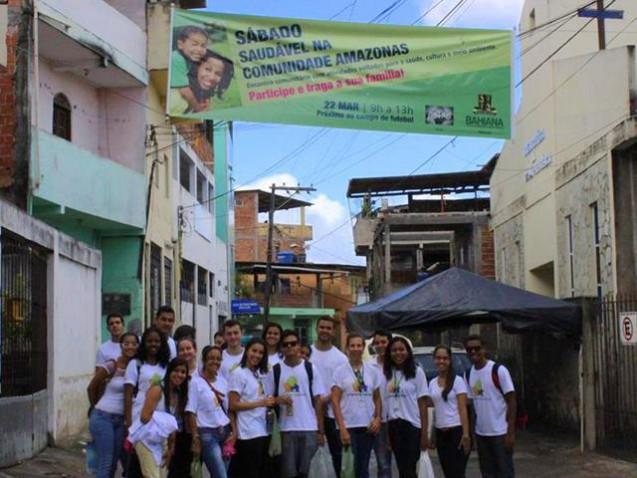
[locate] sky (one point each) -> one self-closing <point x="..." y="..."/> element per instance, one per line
<point x="328" y="158"/>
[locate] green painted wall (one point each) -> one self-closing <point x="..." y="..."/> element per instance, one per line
<point x="120" y="259"/>
<point x="221" y="142"/>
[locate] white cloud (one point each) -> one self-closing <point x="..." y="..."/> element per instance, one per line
<point x="326" y="216"/>
<point x="476" y="13"/>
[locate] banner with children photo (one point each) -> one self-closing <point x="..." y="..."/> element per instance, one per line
<point x="448" y="81"/>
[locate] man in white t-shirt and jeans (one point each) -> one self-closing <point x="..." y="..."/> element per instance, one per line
<point x="231" y="357"/>
<point x="298" y="389"/>
<point x="493" y="398"/>
<point x="111" y="350"/>
<point x="327" y="359"/>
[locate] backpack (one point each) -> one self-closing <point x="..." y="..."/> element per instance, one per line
<point x="494" y="377"/>
<point x="276" y="370"/>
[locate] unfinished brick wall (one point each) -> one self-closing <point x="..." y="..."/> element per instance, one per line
<point x="246" y="218"/>
<point x="487" y="258"/>
<point x="8" y="107"/>
<point x="196" y="136"/>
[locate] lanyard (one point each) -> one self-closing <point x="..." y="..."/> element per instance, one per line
<point x="260" y="387"/>
<point x="359" y="375"/>
<point x="396" y="383"/>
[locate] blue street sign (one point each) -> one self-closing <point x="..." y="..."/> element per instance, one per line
<point x="245" y="306"/>
<point x="605" y="14"/>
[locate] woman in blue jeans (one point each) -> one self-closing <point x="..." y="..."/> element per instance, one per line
<point x="207" y="414"/>
<point x="357" y="405"/>
<point x="106" y="422"/>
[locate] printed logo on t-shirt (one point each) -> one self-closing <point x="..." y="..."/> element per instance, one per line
<point x="155" y="380"/>
<point x="477" y="389"/>
<point x="291" y="384"/>
<point x="234" y="367"/>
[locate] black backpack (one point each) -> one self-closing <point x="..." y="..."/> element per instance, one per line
<point x="276" y="370"/>
<point x="494" y="377"/>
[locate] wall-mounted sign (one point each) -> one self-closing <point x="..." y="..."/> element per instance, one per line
<point x="114" y="303"/>
<point x="534" y="142"/>
<point x="628" y="327"/>
<point x="245" y="306"/>
<point x="538" y="166"/>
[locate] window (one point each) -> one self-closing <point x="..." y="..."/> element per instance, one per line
<point x="202" y="187"/>
<point x="571" y="264"/>
<point x="596" y="246"/>
<point x="155" y="277"/>
<point x="285" y="286"/>
<point x="185" y="165"/>
<point x="532" y="19"/>
<point x="211" y="195"/>
<point x="168" y="281"/>
<point x="187" y="283"/>
<point x="62" y="117"/>
<point x="302" y="327"/>
<point x="202" y="286"/>
<point x="211" y="285"/>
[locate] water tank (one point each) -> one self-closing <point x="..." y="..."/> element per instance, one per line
<point x="286" y="257"/>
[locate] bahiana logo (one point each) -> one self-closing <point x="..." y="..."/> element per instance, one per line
<point x="485" y="115"/>
<point x="485" y="105"/>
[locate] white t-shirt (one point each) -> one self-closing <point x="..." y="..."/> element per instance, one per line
<point x="112" y="400"/>
<point x="173" y="348"/>
<point x="357" y="399"/>
<point x="108" y="351"/>
<point x="203" y="402"/>
<point x="274" y="359"/>
<point x="401" y="396"/>
<point x="446" y="414"/>
<point x="382" y="384"/>
<point x="294" y="383"/>
<point x="488" y="401"/>
<point x="229" y="363"/>
<point x="327" y="362"/>
<point x="251" y="387"/>
<point x="148" y="375"/>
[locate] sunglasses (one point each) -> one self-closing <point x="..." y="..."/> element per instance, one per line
<point x="289" y="344"/>
<point x="473" y="349"/>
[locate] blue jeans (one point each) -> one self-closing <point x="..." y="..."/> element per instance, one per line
<point x="212" y="440"/>
<point x="362" y="444"/>
<point x="108" y="432"/>
<point x="382" y="452"/>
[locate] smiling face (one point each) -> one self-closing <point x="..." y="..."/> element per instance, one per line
<point x="272" y="337"/>
<point x="475" y="351"/>
<point x="210" y="73"/>
<point x="194" y="46"/>
<point x="153" y="342"/>
<point x="355" y="347"/>
<point x="255" y="354"/>
<point x="233" y="336"/>
<point x="325" y="331"/>
<point x="442" y="359"/>
<point x="187" y="350"/>
<point x="129" y="346"/>
<point x="399" y="353"/>
<point x="380" y="344"/>
<point x="178" y="375"/>
<point x="165" y="322"/>
<point x="213" y="361"/>
<point x="290" y="347"/>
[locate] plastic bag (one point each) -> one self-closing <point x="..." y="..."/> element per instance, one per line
<point x="91" y="458"/>
<point x="196" y="470"/>
<point x="321" y="464"/>
<point x="425" y="468"/>
<point x="347" y="465"/>
<point x="275" y="440"/>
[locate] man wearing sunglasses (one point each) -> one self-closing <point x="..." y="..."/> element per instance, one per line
<point x="492" y="395"/>
<point x="298" y="388"/>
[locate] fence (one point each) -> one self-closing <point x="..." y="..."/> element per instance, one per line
<point x="615" y="368"/>
<point x="23" y="331"/>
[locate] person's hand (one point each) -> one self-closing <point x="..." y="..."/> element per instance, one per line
<point x="232" y="439"/>
<point x="320" y="438"/>
<point x="424" y="441"/>
<point x="285" y="400"/>
<point x="167" y="456"/>
<point x="465" y="444"/>
<point x="346" y="440"/>
<point x="196" y="446"/>
<point x="269" y="401"/>
<point x="432" y="442"/>
<point x="374" y="426"/>
<point x="509" y="440"/>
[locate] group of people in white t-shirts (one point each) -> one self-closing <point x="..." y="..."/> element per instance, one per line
<point x="155" y="408"/>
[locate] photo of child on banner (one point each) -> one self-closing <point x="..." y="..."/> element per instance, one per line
<point x="200" y="75"/>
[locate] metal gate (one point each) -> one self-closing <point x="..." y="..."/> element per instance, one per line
<point x="23" y="331"/>
<point x="615" y="380"/>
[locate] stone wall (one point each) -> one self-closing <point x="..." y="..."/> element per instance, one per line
<point x="509" y="251"/>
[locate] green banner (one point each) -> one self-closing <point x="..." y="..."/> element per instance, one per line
<point x="447" y="81"/>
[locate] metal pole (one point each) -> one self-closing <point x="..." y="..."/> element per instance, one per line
<point x="268" y="269"/>
<point x="601" y="26"/>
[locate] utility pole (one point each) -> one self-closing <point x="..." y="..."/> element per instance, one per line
<point x="601" y="26"/>
<point x="601" y="14"/>
<point x="268" y="270"/>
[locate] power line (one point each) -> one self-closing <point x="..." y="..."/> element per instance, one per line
<point x="427" y="12"/>
<point x="556" y="19"/>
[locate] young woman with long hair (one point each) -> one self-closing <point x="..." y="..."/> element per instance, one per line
<point x="406" y="396"/>
<point x="161" y="416"/>
<point x="448" y="393"/>
<point x="357" y="405"/>
<point x="106" y="421"/>
<point x="250" y="397"/>
<point x="272" y="337"/>
<point x="147" y="369"/>
<point x="208" y="417"/>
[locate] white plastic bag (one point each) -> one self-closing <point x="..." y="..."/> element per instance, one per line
<point x="321" y="464"/>
<point x="425" y="468"/>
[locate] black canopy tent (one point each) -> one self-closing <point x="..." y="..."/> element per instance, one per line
<point x="460" y="297"/>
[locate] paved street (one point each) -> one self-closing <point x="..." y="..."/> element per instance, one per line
<point x="537" y="457"/>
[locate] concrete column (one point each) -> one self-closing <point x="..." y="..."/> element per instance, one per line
<point x="587" y="377"/>
<point x="386" y="236"/>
